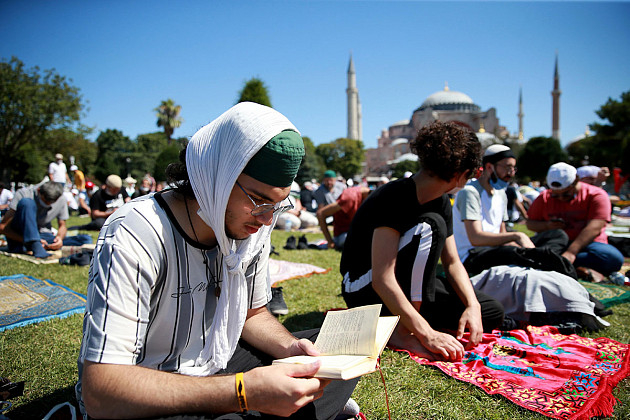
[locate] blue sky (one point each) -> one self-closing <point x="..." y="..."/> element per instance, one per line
<point x="127" y="56"/>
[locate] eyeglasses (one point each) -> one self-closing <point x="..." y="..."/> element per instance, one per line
<point x="260" y="209"/>
<point x="508" y="168"/>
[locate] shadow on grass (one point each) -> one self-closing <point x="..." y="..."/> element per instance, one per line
<point x="38" y="408"/>
<point x="303" y="321"/>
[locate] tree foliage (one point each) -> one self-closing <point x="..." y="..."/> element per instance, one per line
<point x="114" y="148"/>
<point x="169" y="155"/>
<point x="312" y="166"/>
<point x="31" y="103"/>
<point x="611" y="143"/>
<point x="254" y="91"/>
<point x="168" y="117"/>
<point x="343" y="155"/>
<point x="537" y="156"/>
<point x="399" y="170"/>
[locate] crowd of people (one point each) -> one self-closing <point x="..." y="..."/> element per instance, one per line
<point x="179" y="291"/>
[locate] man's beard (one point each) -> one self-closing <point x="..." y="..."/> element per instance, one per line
<point x="232" y="235"/>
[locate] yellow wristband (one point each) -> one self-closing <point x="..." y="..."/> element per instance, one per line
<point x="240" y="391"/>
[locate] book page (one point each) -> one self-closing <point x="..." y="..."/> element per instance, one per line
<point x="331" y="362"/>
<point x="352" y="331"/>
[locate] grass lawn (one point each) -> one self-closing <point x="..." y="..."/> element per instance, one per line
<point x="44" y="355"/>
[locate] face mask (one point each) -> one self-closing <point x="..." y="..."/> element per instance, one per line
<point x="497" y="183"/>
<point x="42" y="204"/>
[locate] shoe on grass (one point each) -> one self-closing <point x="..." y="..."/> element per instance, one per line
<point x="277" y="305"/>
<point x="290" y="243"/>
<point x="302" y="242"/>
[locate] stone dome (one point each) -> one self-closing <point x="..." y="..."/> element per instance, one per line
<point x="449" y="100"/>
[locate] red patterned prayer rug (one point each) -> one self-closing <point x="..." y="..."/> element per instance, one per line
<point x="559" y="376"/>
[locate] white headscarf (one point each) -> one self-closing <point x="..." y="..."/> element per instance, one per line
<point x="215" y="157"/>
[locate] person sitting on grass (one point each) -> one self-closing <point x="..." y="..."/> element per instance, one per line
<point x="342" y="211"/>
<point x="27" y="223"/>
<point x="396" y="239"/>
<point x="579" y="212"/>
<point x="175" y="321"/>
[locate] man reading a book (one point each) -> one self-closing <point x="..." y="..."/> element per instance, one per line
<point x="396" y="239"/>
<point x="175" y="322"/>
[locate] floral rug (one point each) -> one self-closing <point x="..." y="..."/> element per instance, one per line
<point x="559" y="376"/>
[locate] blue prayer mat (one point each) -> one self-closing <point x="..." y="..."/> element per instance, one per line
<point x="26" y="300"/>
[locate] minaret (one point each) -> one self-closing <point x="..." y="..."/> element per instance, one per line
<point x="555" y="94"/>
<point x="520" y="114"/>
<point x="360" y="117"/>
<point x="353" y="103"/>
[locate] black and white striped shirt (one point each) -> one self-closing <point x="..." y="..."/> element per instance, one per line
<point x="151" y="292"/>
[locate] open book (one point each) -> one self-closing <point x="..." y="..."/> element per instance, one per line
<point x="350" y="342"/>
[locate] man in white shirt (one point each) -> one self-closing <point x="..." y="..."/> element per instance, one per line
<point x="57" y="171"/>
<point x="5" y="198"/>
<point x="480" y="212"/>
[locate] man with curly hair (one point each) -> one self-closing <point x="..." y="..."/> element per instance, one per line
<point x="394" y="243"/>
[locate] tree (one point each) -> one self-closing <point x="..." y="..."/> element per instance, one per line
<point x="312" y="166"/>
<point x="611" y="142"/>
<point x="147" y="148"/>
<point x="114" y="148"/>
<point x="168" y="117"/>
<point x="412" y="166"/>
<point x="31" y="103"/>
<point x="254" y="91"/>
<point x="169" y="155"/>
<point x="537" y="156"/>
<point x="344" y="156"/>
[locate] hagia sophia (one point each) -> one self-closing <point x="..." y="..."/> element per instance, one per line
<point x="444" y="105"/>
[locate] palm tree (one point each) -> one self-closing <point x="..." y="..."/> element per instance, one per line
<point x="168" y="117"/>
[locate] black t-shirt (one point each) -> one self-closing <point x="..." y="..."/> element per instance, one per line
<point x="394" y="205"/>
<point x="306" y="198"/>
<point x="102" y="201"/>
<point x="510" y="192"/>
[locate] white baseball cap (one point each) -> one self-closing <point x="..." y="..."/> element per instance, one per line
<point x="560" y="176"/>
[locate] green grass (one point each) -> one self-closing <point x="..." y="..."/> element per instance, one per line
<point x="44" y="355"/>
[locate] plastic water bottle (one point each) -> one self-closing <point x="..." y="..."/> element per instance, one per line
<point x="288" y="224"/>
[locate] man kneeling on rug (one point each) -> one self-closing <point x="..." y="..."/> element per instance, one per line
<point x="27" y="224"/>
<point x="394" y="243"/>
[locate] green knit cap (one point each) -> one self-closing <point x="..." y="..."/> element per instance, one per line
<point x="278" y="161"/>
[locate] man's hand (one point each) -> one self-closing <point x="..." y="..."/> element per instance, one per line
<point x="569" y="256"/>
<point x="303" y="347"/>
<point x="471" y="320"/>
<point x="556" y="224"/>
<point x="56" y="244"/>
<point x="283" y="389"/>
<point x="444" y="345"/>
<point x="523" y="240"/>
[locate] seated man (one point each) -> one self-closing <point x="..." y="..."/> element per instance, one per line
<point x="27" y="223"/>
<point x="579" y="210"/>
<point x="593" y="175"/>
<point x="342" y="212"/>
<point x="480" y="213"/>
<point x="106" y="201"/>
<point x="396" y="239"/>
<point x="330" y="190"/>
<point x="297" y="217"/>
<point x="175" y="322"/>
<point x="5" y="199"/>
